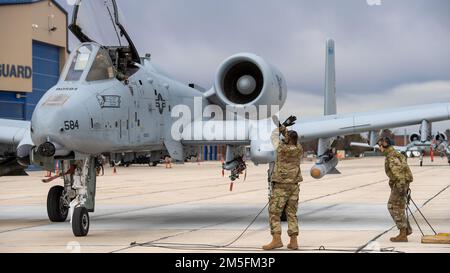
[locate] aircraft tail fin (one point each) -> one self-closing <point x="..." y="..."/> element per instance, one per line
<point x="325" y="145"/>
<point x="330" y="107"/>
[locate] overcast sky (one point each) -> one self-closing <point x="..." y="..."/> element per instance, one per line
<point x="388" y="55"/>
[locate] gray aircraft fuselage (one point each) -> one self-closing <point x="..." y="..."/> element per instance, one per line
<point x="110" y="115"/>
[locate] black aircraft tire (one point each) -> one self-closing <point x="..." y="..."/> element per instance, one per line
<point x="80" y="222"/>
<point x="55" y="209"/>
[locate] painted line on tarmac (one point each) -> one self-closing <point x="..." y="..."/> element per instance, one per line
<point x="361" y="248"/>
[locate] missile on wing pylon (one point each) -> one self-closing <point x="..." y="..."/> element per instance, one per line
<point x="319" y="170"/>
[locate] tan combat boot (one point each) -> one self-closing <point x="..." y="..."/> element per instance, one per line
<point x="293" y="244"/>
<point x="276" y="243"/>
<point x="402" y="237"/>
<point x="409" y="231"/>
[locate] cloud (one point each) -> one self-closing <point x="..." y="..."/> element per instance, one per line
<point x="377" y="47"/>
<point x="390" y="55"/>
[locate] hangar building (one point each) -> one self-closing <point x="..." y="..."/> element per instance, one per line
<point x="33" y="50"/>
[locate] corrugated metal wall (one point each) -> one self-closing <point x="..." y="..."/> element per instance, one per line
<point x="45" y="73"/>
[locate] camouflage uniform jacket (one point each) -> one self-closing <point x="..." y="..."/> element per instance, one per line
<point x="397" y="168"/>
<point x="287" y="162"/>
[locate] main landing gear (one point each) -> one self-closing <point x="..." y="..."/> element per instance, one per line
<point x="77" y="197"/>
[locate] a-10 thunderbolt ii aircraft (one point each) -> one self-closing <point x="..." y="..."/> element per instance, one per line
<point x="419" y="143"/>
<point x="110" y="100"/>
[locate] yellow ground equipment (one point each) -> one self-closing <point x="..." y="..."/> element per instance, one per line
<point x="437" y="238"/>
<point x="441" y="238"/>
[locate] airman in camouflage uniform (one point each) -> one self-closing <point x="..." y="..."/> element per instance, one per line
<point x="286" y="177"/>
<point x="400" y="177"/>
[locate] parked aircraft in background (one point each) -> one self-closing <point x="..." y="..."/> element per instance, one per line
<point x="420" y="144"/>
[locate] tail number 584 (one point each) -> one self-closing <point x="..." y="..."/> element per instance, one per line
<point x="71" y="125"/>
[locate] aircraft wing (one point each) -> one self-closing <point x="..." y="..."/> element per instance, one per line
<point x="243" y="132"/>
<point x="257" y="133"/>
<point x="346" y="124"/>
<point x="13" y="131"/>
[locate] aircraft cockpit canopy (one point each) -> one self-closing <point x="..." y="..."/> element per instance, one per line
<point x="89" y="62"/>
<point x="101" y="22"/>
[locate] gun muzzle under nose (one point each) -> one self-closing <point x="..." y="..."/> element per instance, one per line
<point x="47" y="149"/>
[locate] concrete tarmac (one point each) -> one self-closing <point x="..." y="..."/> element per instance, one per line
<point x="190" y="208"/>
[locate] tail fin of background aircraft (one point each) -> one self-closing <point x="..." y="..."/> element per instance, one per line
<point x="330" y="107"/>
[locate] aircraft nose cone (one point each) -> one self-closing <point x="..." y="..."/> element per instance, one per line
<point x="246" y="85"/>
<point x="46" y="125"/>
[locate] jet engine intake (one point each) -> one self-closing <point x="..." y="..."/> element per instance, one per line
<point x="247" y="79"/>
<point x="414" y="137"/>
<point x="440" y="137"/>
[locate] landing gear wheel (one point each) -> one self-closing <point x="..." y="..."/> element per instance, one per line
<point x="80" y="222"/>
<point x="56" y="209"/>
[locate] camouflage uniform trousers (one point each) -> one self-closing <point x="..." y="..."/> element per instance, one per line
<point x="397" y="205"/>
<point x="284" y="196"/>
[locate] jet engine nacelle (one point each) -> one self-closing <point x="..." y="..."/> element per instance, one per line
<point x="414" y="137"/>
<point x="248" y="80"/>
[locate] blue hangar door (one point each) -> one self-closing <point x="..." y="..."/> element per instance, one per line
<point x="45" y="75"/>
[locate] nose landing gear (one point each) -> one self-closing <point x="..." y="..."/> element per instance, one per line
<point x="77" y="197"/>
<point x="80" y="222"/>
